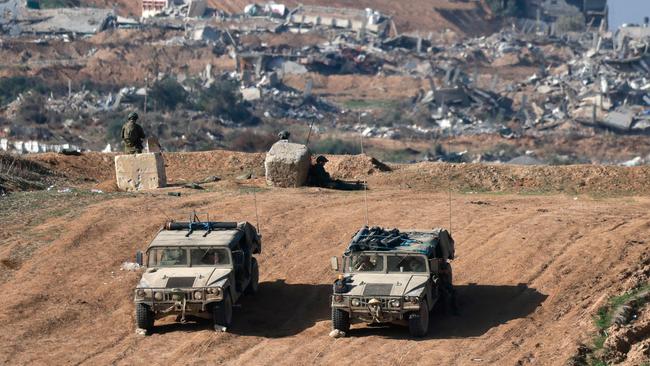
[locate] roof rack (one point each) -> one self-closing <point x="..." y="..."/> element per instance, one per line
<point x="425" y="242"/>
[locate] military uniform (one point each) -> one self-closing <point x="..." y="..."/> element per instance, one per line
<point x="132" y="135"/>
<point x="318" y="176"/>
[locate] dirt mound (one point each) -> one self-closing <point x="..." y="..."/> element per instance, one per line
<point x="513" y="178"/>
<point x="354" y="166"/>
<point x="17" y="174"/>
<point x="86" y="168"/>
<point x="90" y="169"/>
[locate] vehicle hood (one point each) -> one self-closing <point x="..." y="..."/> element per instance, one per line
<point x="183" y="277"/>
<point x="369" y="285"/>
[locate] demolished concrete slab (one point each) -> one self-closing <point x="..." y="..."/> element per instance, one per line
<point x="140" y="172"/>
<point x="287" y="164"/>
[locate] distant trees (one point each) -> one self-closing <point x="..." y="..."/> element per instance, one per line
<point x="223" y="99"/>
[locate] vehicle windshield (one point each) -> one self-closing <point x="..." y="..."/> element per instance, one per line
<point x="406" y="263"/>
<point x="179" y="257"/>
<point x="209" y="257"/>
<point x="365" y="263"/>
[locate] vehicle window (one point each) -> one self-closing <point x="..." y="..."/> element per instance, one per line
<point x="165" y="257"/>
<point x="365" y="263"/>
<point x="406" y="263"/>
<point x="209" y="257"/>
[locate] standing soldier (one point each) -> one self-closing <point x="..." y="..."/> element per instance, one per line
<point x="132" y="135"/>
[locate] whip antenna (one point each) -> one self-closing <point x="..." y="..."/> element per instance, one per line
<point x="365" y="185"/>
<point x="449" y="185"/>
<point x="257" y="218"/>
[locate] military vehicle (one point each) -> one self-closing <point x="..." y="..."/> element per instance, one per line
<point x="392" y="276"/>
<point x="199" y="269"/>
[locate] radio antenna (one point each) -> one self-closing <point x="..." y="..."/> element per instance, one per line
<point x="449" y="183"/>
<point x="365" y="183"/>
<point x="257" y="218"/>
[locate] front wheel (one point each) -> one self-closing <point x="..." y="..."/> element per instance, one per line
<point x="419" y="322"/>
<point x="222" y="311"/>
<point x="340" y="320"/>
<point x="254" y="284"/>
<point x="144" y="316"/>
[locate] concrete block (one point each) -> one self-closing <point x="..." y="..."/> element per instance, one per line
<point x="287" y="164"/>
<point x="140" y="171"/>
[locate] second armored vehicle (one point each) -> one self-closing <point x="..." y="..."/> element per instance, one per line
<point x="392" y="276"/>
<point x="197" y="268"/>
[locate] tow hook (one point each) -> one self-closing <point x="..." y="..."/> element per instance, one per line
<point x="374" y="306"/>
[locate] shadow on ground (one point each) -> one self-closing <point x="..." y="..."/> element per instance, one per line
<point x="481" y="308"/>
<point x="278" y="310"/>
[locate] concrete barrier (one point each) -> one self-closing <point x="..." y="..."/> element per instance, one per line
<point x="287" y="164"/>
<point x="140" y="171"/>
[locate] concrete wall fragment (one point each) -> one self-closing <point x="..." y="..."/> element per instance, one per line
<point x="140" y="171"/>
<point x="287" y="164"/>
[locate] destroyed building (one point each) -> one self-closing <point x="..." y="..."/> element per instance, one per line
<point x="306" y="17"/>
<point x="595" y="12"/>
<point x="189" y="8"/>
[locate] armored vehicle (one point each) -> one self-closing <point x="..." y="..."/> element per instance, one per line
<point x="392" y="276"/>
<point x="199" y="269"/>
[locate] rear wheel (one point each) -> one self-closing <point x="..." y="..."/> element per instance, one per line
<point x="144" y="316"/>
<point x="222" y="311"/>
<point x="341" y="320"/>
<point x="419" y="322"/>
<point x="254" y="284"/>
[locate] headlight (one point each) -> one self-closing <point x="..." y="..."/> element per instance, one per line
<point x="142" y="293"/>
<point x="158" y="296"/>
<point x="198" y="295"/>
<point x="395" y="303"/>
<point x="355" y="302"/>
<point x="213" y="292"/>
<point x="412" y="299"/>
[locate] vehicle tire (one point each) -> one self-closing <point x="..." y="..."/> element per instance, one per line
<point x="419" y="322"/>
<point x="222" y="311"/>
<point x="254" y="284"/>
<point x="144" y="316"/>
<point x="341" y="320"/>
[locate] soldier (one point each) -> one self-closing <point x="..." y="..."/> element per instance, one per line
<point x="318" y="176"/>
<point x="132" y="135"/>
<point x="284" y="135"/>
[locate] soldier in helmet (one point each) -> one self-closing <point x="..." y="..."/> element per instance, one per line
<point x="318" y="176"/>
<point x="284" y="135"/>
<point x="132" y="135"/>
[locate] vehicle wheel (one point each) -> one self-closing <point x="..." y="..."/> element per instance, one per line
<point x="222" y="311"/>
<point x="419" y="322"/>
<point x="144" y="316"/>
<point x="341" y="320"/>
<point x="254" y="284"/>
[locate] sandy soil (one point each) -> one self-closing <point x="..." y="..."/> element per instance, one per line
<point x="531" y="271"/>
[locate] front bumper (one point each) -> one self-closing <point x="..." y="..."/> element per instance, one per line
<point x="374" y="309"/>
<point x="189" y="301"/>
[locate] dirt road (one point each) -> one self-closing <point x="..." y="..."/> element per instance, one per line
<point x="531" y="272"/>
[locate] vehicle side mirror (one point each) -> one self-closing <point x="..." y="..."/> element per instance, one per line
<point x="334" y="261"/>
<point x="139" y="258"/>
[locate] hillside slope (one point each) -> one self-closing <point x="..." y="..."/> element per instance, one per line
<point x="531" y="271"/>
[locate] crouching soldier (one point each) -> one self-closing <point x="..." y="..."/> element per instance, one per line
<point x="318" y="176"/>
